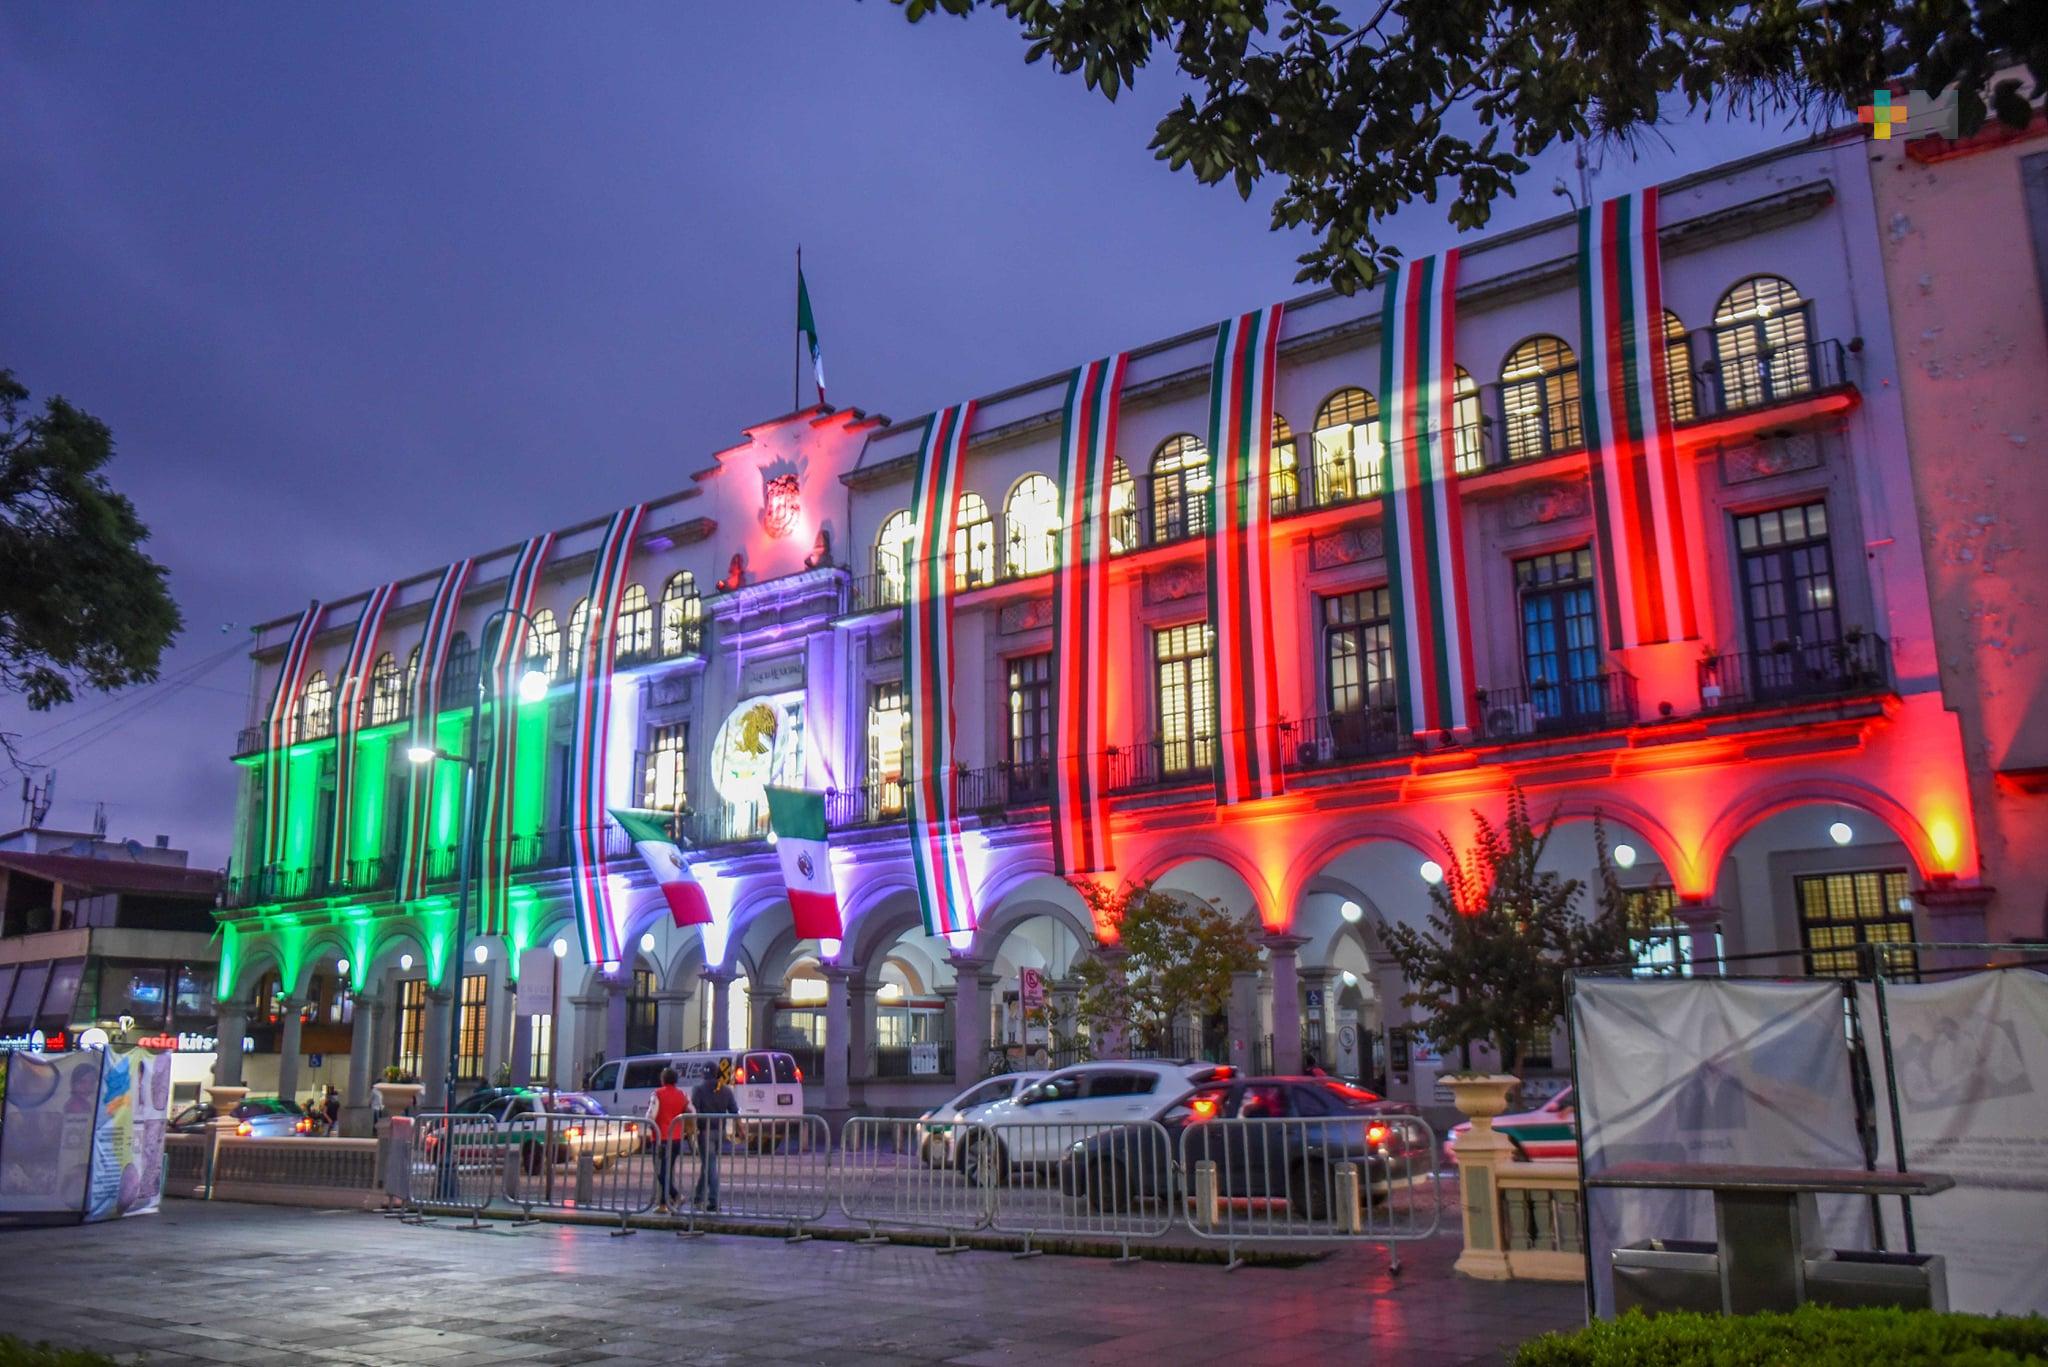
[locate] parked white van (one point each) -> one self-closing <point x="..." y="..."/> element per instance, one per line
<point x="767" y="1084"/>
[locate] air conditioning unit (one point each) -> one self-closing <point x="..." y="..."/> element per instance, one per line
<point x="1316" y="750"/>
<point x="1511" y="719"/>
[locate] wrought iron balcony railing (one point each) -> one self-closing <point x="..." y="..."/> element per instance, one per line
<point x="1796" y="671"/>
<point x="1597" y="702"/>
<point x="1339" y="738"/>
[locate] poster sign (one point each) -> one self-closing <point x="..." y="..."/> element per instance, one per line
<point x="536" y="982"/>
<point x="1708" y="1070"/>
<point x="46" y="1133"/>
<point x="1031" y="989"/>
<point x="1970" y="1056"/>
<point x="924" y="1060"/>
<point x="128" y="1135"/>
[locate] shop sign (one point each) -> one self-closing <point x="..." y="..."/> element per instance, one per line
<point x="924" y="1060"/>
<point x="188" y="1042"/>
<point x="34" y="1042"/>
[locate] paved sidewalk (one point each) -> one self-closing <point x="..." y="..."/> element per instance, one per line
<point x="225" y="1283"/>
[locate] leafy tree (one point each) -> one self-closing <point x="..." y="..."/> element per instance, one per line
<point x="1360" y="118"/>
<point x="81" y="605"/>
<point x="1501" y="934"/>
<point x="1178" y="955"/>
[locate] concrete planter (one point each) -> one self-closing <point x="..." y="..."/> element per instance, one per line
<point x="225" y="1099"/>
<point x="1481" y="1097"/>
<point x="399" y="1097"/>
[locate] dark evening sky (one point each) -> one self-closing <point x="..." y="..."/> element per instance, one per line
<point x="361" y="288"/>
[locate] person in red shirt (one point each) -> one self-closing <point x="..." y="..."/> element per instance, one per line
<point x="669" y="1109"/>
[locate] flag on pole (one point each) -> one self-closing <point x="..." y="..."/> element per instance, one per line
<point x="807" y="325"/>
<point x="649" y="833"/>
<point x="798" y="820"/>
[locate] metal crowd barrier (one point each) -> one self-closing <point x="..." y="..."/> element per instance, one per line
<point x="455" y="1166"/>
<point x="889" y="1176"/>
<point x="1369" y="1178"/>
<point x="601" y="1164"/>
<point x="185" y="1157"/>
<point x="1069" y="1178"/>
<point x="772" y="1169"/>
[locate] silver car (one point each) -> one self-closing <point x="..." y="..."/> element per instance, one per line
<point x="939" y="1128"/>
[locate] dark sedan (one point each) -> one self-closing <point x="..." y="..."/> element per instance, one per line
<point x="1122" y="1167"/>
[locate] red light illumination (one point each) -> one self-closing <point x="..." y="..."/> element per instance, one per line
<point x="1377" y="1135"/>
<point x="1204" y="1107"/>
<point x="799" y="1075"/>
<point x="242" y="1131"/>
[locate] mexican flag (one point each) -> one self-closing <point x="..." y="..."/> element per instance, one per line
<point x="807" y="326"/>
<point x="798" y="820"/>
<point x="649" y="833"/>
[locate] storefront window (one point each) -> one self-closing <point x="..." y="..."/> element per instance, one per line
<point x="195" y="991"/>
<point x="27" y="998"/>
<point x="132" y="989"/>
<point x="63" y="989"/>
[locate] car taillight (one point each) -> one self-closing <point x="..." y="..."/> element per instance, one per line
<point x="1377" y="1135"/>
<point x="303" y="1127"/>
<point x="242" y="1131"/>
<point x="575" y="1132"/>
<point x="1203" y="1107"/>
<point x="799" y="1075"/>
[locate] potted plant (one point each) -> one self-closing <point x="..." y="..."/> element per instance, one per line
<point x="400" y="1091"/>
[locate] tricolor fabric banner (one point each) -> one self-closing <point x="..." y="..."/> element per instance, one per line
<point x="281" y="729"/>
<point x="507" y="664"/>
<point x="1080" y="621"/>
<point x="1626" y="397"/>
<point x="1241" y="558"/>
<point x="649" y="833"/>
<point x="349" y="695"/>
<point x="943" y="889"/>
<point x="439" y="634"/>
<point x="595" y="924"/>
<point x="798" y="820"/>
<point x="1419" y="492"/>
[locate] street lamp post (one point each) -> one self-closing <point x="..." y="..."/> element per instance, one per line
<point x="533" y="685"/>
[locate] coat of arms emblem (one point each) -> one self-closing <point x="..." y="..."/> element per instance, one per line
<point x="780" y="502"/>
<point x="804" y="865"/>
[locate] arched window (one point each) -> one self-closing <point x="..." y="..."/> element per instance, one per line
<point x="1031" y="526"/>
<point x="892" y="549"/>
<point x="1678" y="376"/>
<point x="387" y="693"/>
<point x="544" y="644"/>
<point x="633" y="638"/>
<point x="1123" y="508"/>
<point x="1761" y="343"/>
<point x="579" y="627"/>
<point x="316" y="708"/>
<point x="1283" y="486"/>
<point x="682" y="615"/>
<point x="1347" y="441"/>
<point x="1468" y="438"/>
<point x="1180" y="489"/>
<point x="412" y="677"/>
<point x="1539" y="398"/>
<point x="974" y="543"/>
<point x="458" y="674"/>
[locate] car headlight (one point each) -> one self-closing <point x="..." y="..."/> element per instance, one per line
<point x="1078" y="1146"/>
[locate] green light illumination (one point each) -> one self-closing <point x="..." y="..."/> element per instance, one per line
<point x="522" y="915"/>
<point x="530" y="798"/>
<point x="445" y="821"/>
<point x="439" y="915"/>
<point x="303" y="766"/>
<point x="230" y="961"/>
<point x="369" y="821"/>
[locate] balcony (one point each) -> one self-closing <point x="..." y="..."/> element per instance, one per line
<point x="1598" y="702"/>
<point x="1162" y="763"/>
<point x="1341" y="738"/>
<point x="1796" y="671"/>
<point x="874" y="803"/>
<point x="876" y="592"/>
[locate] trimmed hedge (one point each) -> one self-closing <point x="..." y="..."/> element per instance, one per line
<point x="1812" y="1336"/>
<point x="15" y="1353"/>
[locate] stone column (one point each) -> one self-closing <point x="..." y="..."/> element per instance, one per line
<point x="362" y="1049"/>
<point x="1106" y="1038"/>
<point x="1701" y="920"/>
<point x="500" y="999"/>
<point x="1244" y="1017"/>
<point x="614" y="1016"/>
<point x="838" y="1036"/>
<point x="760" y="1015"/>
<point x="1955" y="915"/>
<point x="1323" y="983"/>
<point x="860" y="1026"/>
<point x="440" y="1093"/>
<point x="582" y="1041"/>
<point x="671" y="1016"/>
<point x="381" y="1043"/>
<point x="290" y="1026"/>
<point x="521" y="1058"/>
<point x="1286" y="1002"/>
<point x="991" y="985"/>
<point x="721" y="1004"/>
<point x="970" y="1018"/>
<point x="1064" y="996"/>
<point x="231" y="1025"/>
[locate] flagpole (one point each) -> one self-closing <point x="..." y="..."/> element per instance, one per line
<point x="796" y="370"/>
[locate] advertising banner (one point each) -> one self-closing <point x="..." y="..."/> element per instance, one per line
<point x="1706" y="1070"/>
<point x="46" y="1133"/>
<point x="536" y="982"/>
<point x="1970" y="1060"/>
<point x="128" y="1135"/>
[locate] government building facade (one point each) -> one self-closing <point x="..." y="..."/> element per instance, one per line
<point x="1785" y="778"/>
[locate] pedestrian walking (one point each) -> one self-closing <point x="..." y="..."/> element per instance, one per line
<point x="713" y="1101"/>
<point x="669" y="1109"/>
<point x="331" y="1108"/>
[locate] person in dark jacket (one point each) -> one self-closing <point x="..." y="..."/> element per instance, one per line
<point x="712" y="1100"/>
